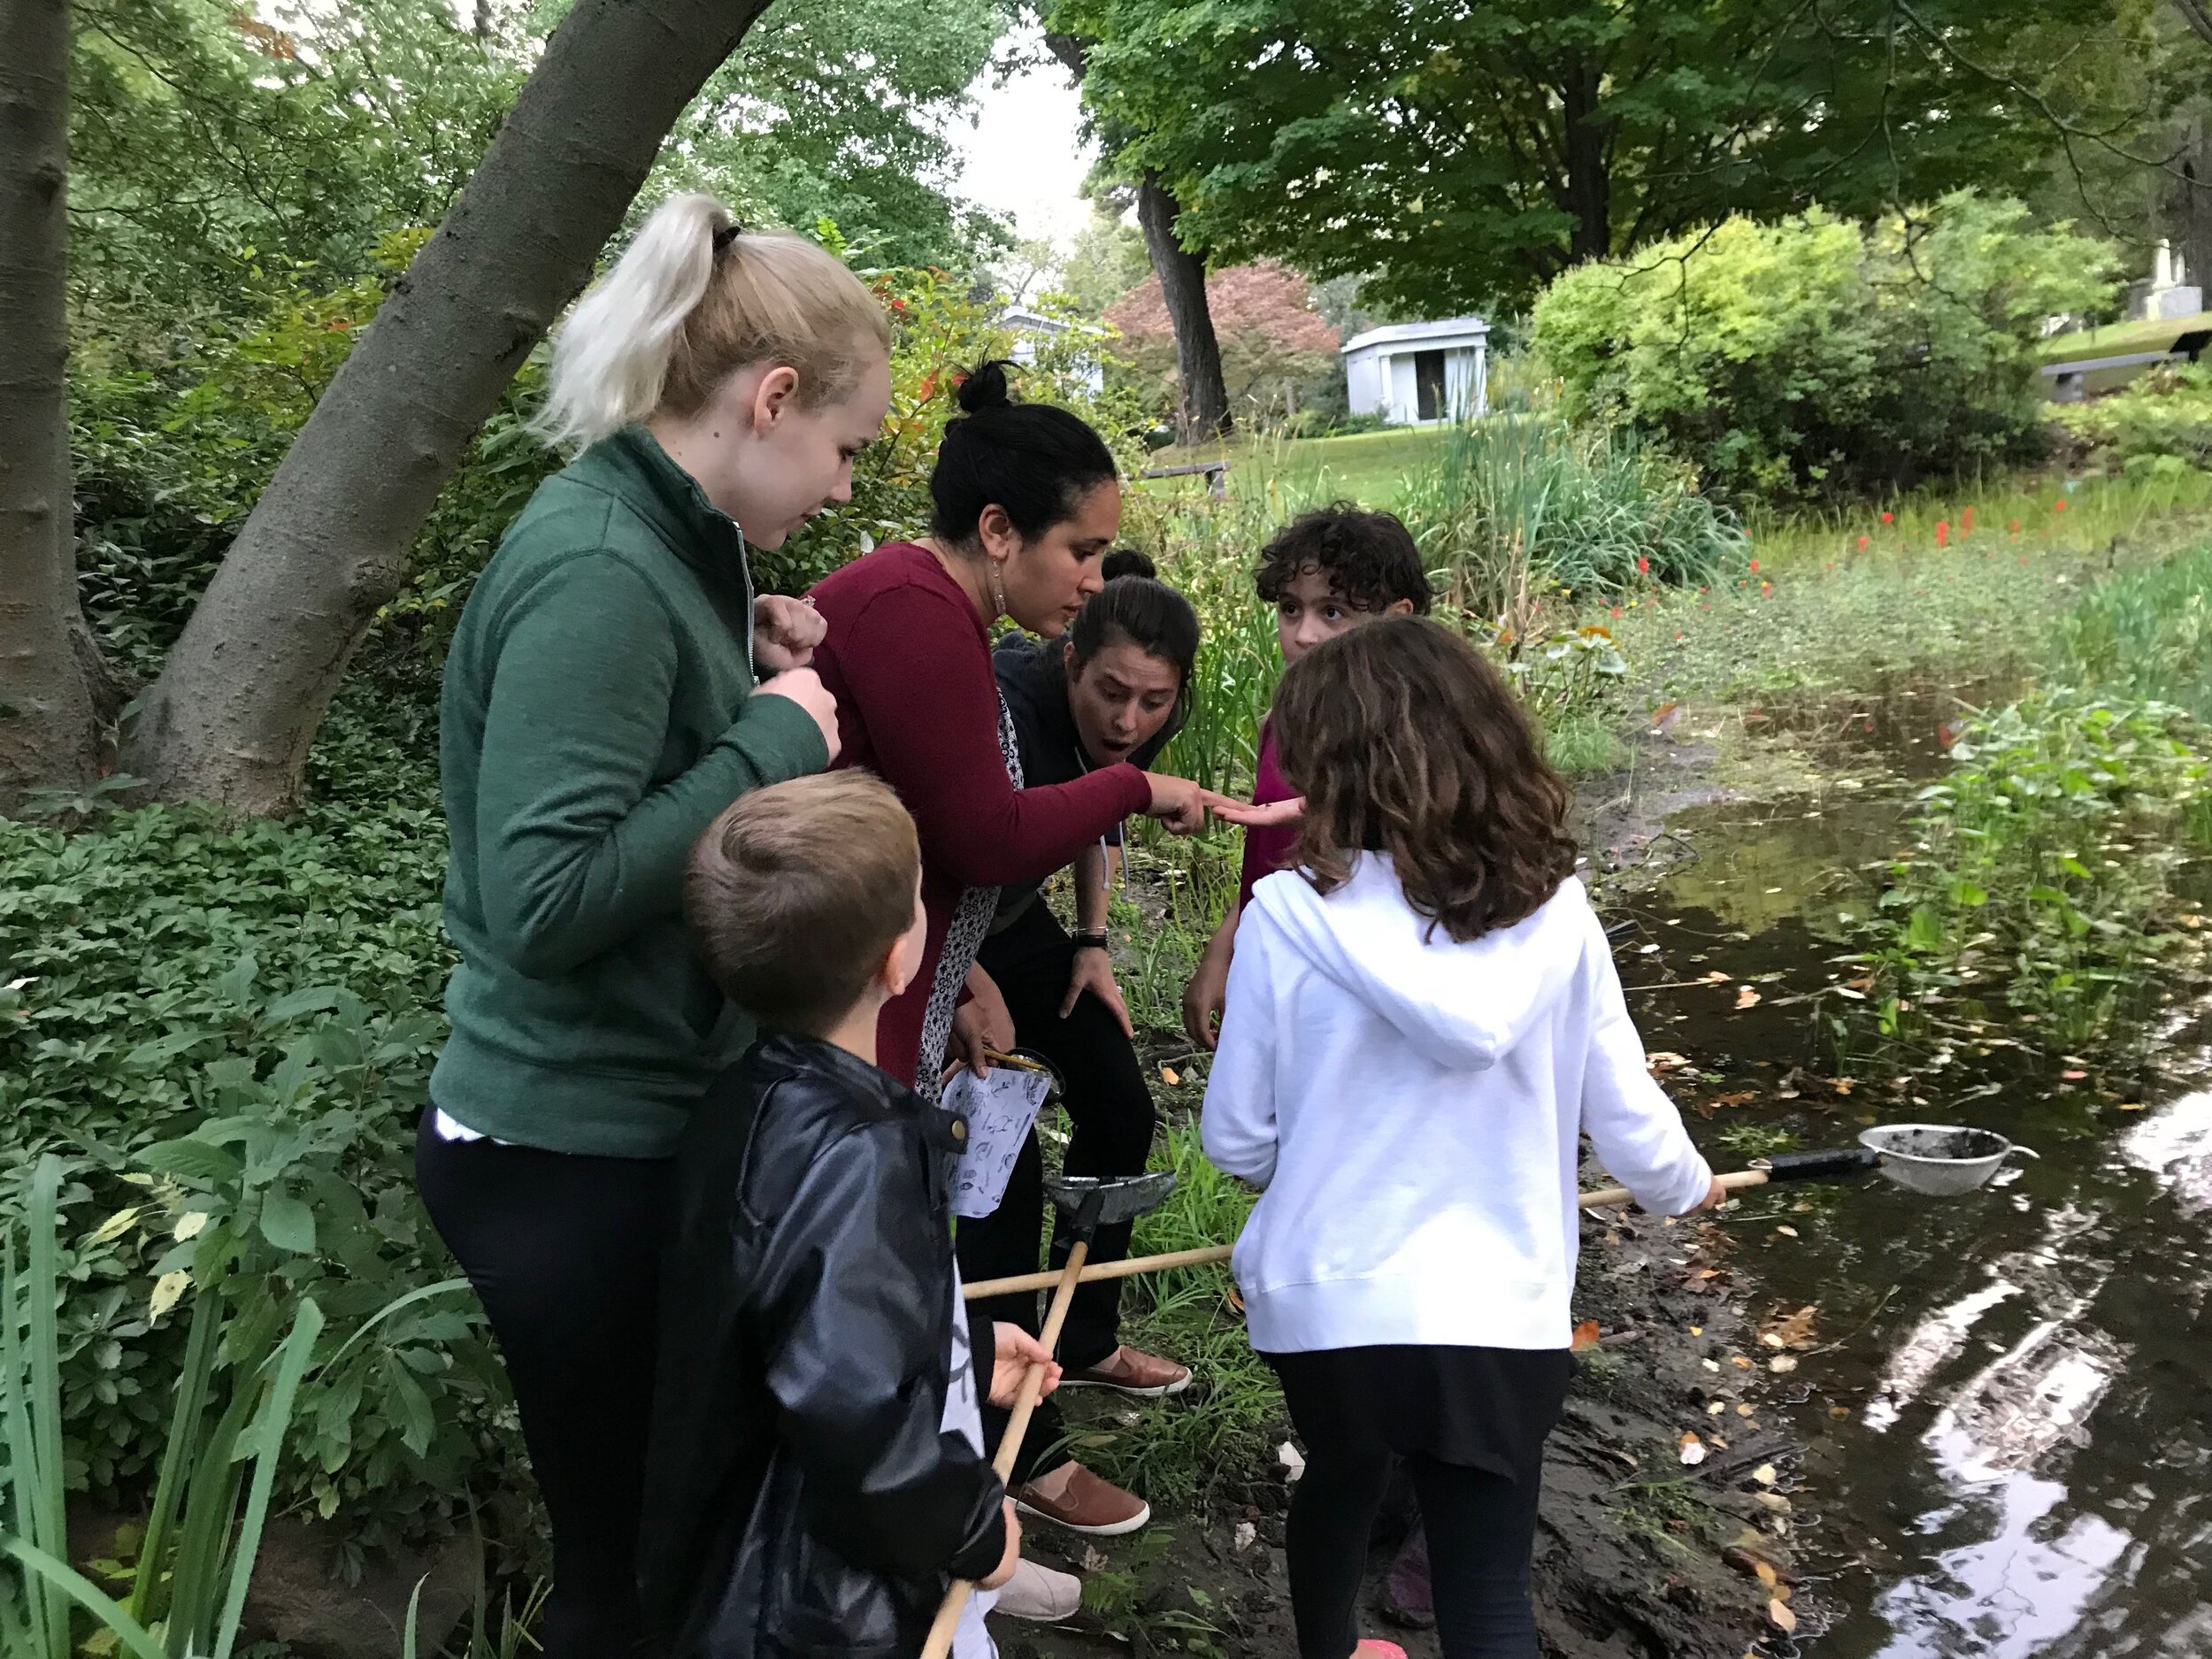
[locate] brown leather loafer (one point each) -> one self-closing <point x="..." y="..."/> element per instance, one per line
<point x="1127" y="1370"/>
<point x="1087" y="1504"/>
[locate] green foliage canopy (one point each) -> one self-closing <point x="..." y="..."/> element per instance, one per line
<point x="1812" y="357"/>
<point x="1467" y="155"/>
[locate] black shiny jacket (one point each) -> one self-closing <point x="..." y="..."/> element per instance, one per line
<point x="802" y="1496"/>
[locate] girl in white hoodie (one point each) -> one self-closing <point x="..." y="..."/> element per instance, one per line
<point x="1423" y="1020"/>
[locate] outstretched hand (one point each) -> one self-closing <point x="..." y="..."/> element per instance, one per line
<point x="1273" y="815"/>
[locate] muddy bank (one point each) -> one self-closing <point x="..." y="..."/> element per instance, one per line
<point x="1633" y="1546"/>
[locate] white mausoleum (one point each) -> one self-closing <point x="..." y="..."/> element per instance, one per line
<point x="1413" y="373"/>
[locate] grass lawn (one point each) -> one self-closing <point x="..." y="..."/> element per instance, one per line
<point x="1368" y="468"/>
<point x="2116" y="339"/>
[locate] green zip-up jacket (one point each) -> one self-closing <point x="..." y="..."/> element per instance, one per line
<point x="596" y="717"/>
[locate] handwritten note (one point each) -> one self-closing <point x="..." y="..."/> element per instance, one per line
<point x="1000" y="1108"/>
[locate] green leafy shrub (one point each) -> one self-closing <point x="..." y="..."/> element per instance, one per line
<point x="1518" y="507"/>
<point x="226" y="1031"/>
<point x="2043" y="863"/>
<point x="2160" y="422"/>
<point x="1812" y="357"/>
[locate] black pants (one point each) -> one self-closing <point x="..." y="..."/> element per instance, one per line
<point x="1481" y="1530"/>
<point x="1111" y="1110"/>
<point x="564" y="1253"/>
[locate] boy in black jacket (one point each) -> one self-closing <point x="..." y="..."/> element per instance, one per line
<point x="816" y="1477"/>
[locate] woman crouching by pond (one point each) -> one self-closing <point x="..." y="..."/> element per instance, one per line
<point x="1027" y="503"/>
<point x="1114" y="689"/>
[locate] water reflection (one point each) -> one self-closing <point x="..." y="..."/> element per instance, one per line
<point x="2023" y="1466"/>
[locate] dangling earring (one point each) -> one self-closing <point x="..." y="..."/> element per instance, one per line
<point x="998" y="588"/>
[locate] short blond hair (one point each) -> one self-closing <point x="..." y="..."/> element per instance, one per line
<point x="694" y="298"/>
<point x="797" y="890"/>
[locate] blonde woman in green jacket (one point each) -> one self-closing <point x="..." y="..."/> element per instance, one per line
<point x="614" y="684"/>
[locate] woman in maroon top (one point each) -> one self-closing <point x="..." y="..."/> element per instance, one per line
<point x="1027" y="502"/>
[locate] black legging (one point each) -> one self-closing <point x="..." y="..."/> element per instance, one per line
<point x="564" y="1253"/>
<point x="1112" y="1112"/>
<point x="1481" y="1528"/>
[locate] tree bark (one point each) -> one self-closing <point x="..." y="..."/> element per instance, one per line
<point x="237" y="702"/>
<point x="1183" y="285"/>
<point x="1589" y="182"/>
<point x="48" y="731"/>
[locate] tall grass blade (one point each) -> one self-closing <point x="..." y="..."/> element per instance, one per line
<point x="276" y="1421"/>
<point x="34" y="1618"/>
<point x="149" y="1587"/>
<point x="45" y="1506"/>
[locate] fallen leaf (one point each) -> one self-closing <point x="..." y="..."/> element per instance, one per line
<point x="1244" y="1537"/>
<point x="1778" y="1611"/>
<point x="2129" y="1106"/>
<point x="1666" y="1060"/>
<point x="1838" y="1411"/>
<point x="1743" y="1411"/>
<point x="1585" y="1336"/>
<point x="1764" y="1571"/>
<point x="1782" y="1364"/>
<point x="1167" y="1073"/>
<point x="1773" y="1502"/>
<point x="1764" y="1474"/>
<point x="1697" y="1330"/>
<point x="1647" y="950"/>
<point x="1717" y="1408"/>
<point x="1236" y="1299"/>
<point x="1739" y="1362"/>
<point x="1692" y="1449"/>
<point x="1746" y="997"/>
<point x="1796" y="1331"/>
<point x="1711" y="1364"/>
<point x="1843" y="1085"/>
<point x="1787" y="1232"/>
<point x="1716" y="976"/>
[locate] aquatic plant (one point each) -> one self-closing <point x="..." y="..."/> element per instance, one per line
<point x="2043" y="865"/>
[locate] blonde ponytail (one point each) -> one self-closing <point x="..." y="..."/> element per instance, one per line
<point x="694" y="298"/>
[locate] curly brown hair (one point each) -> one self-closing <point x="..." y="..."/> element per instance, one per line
<point x="1404" y="740"/>
<point x="1369" y="558"/>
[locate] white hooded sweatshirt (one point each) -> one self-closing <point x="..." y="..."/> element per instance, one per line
<point x="1412" y="1107"/>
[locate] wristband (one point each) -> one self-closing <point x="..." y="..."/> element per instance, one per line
<point x="1092" y="939"/>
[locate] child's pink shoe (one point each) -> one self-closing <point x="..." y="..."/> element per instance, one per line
<point x="1379" y="1650"/>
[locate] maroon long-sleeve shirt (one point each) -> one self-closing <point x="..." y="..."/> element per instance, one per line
<point x="909" y="661"/>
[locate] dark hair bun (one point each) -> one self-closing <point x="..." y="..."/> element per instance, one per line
<point x="1033" y="460"/>
<point x="1126" y="561"/>
<point x="985" y="388"/>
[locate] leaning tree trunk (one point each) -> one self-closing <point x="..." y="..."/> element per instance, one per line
<point x="48" y="733"/>
<point x="1183" y="285"/>
<point x="244" y="688"/>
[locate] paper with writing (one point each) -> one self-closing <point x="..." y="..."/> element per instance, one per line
<point x="1000" y="1108"/>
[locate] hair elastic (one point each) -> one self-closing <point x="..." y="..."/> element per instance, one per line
<point x="728" y="234"/>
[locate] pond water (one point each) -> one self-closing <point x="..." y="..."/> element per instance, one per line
<point x="2008" y="1413"/>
